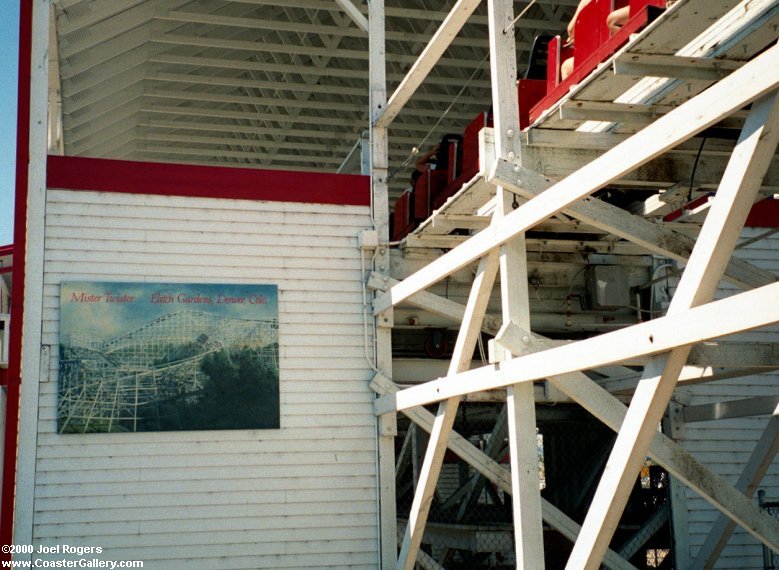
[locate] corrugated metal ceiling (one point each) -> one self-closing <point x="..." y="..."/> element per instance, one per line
<point x="262" y="83"/>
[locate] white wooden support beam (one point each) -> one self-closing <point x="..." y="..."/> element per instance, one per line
<point x="759" y="76"/>
<point x="445" y="223"/>
<point x="438" y="44"/>
<point x="357" y="159"/>
<point x="519" y="341"/>
<point x="455" y="311"/>
<point x="526" y="497"/>
<point x="437" y="305"/>
<point x="674" y="66"/>
<point x="493" y="471"/>
<point x="354" y="14"/>
<point x="56" y="144"/>
<point x="754" y="471"/>
<point x="653" y="237"/>
<point x="599" y="141"/>
<point x="747" y="355"/>
<point x="34" y="368"/>
<point x="723" y="32"/>
<point x="447" y="411"/>
<point x="213" y="97"/>
<point x="689" y="376"/>
<point x="210" y="153"/>
<point x="713" y="320"/>
<point x="670" y="455"/>
<point x="494" y="446"/>
<point x="663" y="172"/>
<point x="664" y="203"/>
<point x="424" y="560"/>
<point x="718" y="238"/>
<point x="515" y="300"/>
<point x="630" y="113"/>
<point x="405" y="451"/>
<point x="386" y="425"/>
<point x="731" y="409"/>
<point x="647" y="531"/>
<point x="433" y="241"/>
<point x="707" y="362"/>
<point x="190" y="17"/>
<point x="237" y="141"/>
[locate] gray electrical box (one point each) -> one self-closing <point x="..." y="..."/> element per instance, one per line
<point x="607" y="287"/>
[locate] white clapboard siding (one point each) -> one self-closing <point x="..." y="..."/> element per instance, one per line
<point x="303" y="496"/>
<point x="725" y="445"/>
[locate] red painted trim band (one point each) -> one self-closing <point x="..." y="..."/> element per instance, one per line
<point x="13" y="374"/>
<point x="764" y="214"/>
<point x="77" y="173"/>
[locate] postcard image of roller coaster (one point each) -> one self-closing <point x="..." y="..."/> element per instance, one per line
<point x="137" y="357"/>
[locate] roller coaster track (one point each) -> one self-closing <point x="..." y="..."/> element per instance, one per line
<point x="103" y="385"/>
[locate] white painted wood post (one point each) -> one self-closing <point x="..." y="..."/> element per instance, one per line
<point x="387" y="424"/>
<point x="706" y="266"/>
<point x="32" y="365"/>
<point x="520" y="398"/>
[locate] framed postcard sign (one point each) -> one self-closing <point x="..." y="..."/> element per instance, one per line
<point x="167" y="356"/>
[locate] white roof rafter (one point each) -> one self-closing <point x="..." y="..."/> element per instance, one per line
<point x="276" y="70"/>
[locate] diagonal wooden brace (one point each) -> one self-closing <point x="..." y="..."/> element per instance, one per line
<point x="714" y="247"/>
<point x="493" y="471"/>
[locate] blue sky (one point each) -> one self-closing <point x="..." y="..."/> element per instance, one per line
<point x="9" y="35"/>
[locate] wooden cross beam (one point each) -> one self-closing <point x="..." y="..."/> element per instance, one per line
<point x="494" y="472"/>
<point x="707" y="361"/>
<point x="438" y="44"/>
<point x="447" y="412"/>
<point x="753" y="80"/>
<point x="655" y="238"/>
<point x="717" y="240"/>
<point x="595" y="399"/>
<point x="713" y="320"/>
